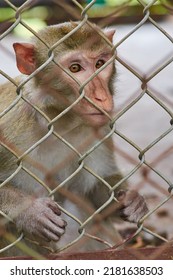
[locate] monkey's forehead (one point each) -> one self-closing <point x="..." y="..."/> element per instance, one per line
<point x="86" y="37"/>
<point x="79" y="55"/>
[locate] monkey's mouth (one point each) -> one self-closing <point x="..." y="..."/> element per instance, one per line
<point x="96" y="114"/>
<point x="96" y="118"/>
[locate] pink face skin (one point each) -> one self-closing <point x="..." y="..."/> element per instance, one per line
<point x="81" y="65"/>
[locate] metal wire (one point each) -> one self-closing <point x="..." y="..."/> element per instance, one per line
<point x="140" y="162"/>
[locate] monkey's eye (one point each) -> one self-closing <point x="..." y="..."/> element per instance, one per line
<point x="74" y="68"/>
<point x="100" y="63"/>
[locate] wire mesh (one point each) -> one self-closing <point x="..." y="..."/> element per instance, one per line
<point x="148" y="163"/>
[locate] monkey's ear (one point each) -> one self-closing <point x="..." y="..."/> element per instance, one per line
<point x="109" y="34"/>
<point x="25" y="57"/>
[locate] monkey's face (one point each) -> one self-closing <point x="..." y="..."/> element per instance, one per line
<point x="77" y="76"/>
<point x="97" y="103"/>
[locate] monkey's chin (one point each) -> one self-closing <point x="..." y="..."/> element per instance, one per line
<point x="96" y="119"/>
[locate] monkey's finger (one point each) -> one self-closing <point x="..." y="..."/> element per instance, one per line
<point x="135" y="203"/>
<point x="53" y="231"/>
<point x="59" y="222"/>
<point x="129" y="197"/>
<point x="47" y="236"/>
<point x="56" y="220"/>
<point x="134" y="212"/>
<point x="54" y="207"/>
<point x="58" y="228"/>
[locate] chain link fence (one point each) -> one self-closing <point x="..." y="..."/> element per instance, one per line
<point x="141" y="126"/>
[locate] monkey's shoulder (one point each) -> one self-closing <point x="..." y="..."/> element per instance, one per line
<point x="8" y="93"/>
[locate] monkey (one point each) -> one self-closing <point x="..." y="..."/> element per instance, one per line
<point x="50" y="133"/>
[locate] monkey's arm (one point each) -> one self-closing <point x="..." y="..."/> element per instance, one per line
<point x="35" y="216"/>
<point x="131" y="206"/>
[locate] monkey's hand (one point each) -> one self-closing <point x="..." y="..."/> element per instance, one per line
<point x="41" y="218"/>
<point x="132" y="205"/>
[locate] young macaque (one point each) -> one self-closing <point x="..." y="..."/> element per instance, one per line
<point x="48" y="130"/>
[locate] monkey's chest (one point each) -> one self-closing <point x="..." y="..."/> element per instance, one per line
<point x="66" y="167"/>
